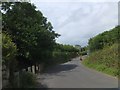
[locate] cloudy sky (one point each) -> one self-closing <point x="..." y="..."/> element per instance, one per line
<point x="78" y="20"/>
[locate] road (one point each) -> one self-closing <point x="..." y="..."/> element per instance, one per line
<point x="75" y="75"/>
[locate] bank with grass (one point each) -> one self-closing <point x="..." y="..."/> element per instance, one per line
<point x="104" y="52"/>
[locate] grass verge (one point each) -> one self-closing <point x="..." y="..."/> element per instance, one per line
<point x="105" y="60"/>
<point x="101" y="68"/>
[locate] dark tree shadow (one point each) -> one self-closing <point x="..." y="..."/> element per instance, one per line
<point x="39" y="85"/>
<point x="55" y="70"/>
<point x="59" y="68"/>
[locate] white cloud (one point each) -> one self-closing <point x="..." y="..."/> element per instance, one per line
<point x="78" y="21"/>
<point x="74" y="0"/>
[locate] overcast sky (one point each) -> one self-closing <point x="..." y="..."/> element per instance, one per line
<point x="78" y="20"/>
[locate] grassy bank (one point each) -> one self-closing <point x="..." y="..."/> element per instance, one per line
<point x="105" y="60"/>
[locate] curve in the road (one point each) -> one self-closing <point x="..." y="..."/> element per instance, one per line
<point x="75" y="75"/>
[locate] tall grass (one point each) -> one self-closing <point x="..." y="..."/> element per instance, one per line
<point x="27" y="80"/>
<point x="105" y="60"/>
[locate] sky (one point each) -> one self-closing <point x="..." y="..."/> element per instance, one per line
<point x="79" y="20"/>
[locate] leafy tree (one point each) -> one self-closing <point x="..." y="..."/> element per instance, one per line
<point x="107" y="38"/>
<point x="84" y="50"/>
<point x="63" y="53"/>
<point x="30" y="30"/>
<point x="8" y="56"/>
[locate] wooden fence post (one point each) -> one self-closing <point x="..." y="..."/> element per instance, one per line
<point x="33" y="69"/>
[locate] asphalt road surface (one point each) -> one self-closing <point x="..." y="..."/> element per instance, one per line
<point x="75" y="75"/>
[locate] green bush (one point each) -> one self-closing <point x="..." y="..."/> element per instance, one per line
<point x="9" y="51"/>
<point x="83" y="53"/>
<point x="105" y="60"/>
<point x="27" y="80"/>
<point x="107" y="38"/>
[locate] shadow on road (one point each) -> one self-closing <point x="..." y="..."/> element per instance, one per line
<point x="55" y="70"/>
<point x="60" y="68"/>
<point x="39" y="85"/>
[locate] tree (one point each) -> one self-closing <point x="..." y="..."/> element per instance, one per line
<point x="8" y="56"/>
<point x="30" y="31"/>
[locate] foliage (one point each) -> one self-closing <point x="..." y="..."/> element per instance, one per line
<point x="67" y="48"/>
<point x="27" y="80"/>
<point x="63" y="53"/>
<point x="30" y="31"/>
<point x="104" y="52"/>
<point x="84" y="50"/>
<point x="105" y="60"/>
<point x="8" y="56"/>
<point x="83" y="53"/>
<point x="8" y="49"/>
<point x="106" y="38"/>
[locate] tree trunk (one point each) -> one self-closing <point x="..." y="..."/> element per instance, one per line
<point x="12" y="66"/>
<point x="39" y="68"/>
<point x="31" y="68"/>
<point x="35" y="69"/>
<point x="11" y="76"/>
<point x="26" y="69"/>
